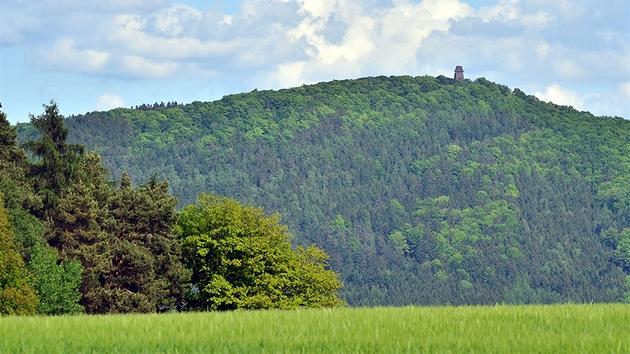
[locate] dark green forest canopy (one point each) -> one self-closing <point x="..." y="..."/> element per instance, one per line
<point x="422" y="190"/>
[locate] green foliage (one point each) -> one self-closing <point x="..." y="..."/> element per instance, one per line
<point x="124" y="239"/>
<point x="16" y="295"/>
<point x="59" y="162"/>
<point x="417" y="187"/>
<point x="9" y="151"/>
<point x="148" y="272"/>
<point x="620" y="242"/>
<point x="18" y="191"/>
<point x="57" y="285"/>
<point x="242" y="259"/>
<point x="114" y="250"/>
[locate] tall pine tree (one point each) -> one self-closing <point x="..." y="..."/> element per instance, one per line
<point x="57" y="163"/>
<point x="148" y="272"/>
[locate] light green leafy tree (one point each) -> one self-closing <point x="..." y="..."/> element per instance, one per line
<point x="16" y="295"/>
<point x="242" y="259"/>
<point x="56" y="284"/>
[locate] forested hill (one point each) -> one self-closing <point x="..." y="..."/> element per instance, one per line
<point x="423" y="190"/>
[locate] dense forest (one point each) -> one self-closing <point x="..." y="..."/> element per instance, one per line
<point x="423" y="190"/>
<point x="72" y="241"/>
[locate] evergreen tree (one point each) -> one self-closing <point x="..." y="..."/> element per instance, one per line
<point x="9" y="150"/>
<point x="117" y="246"/>
<point x="58" y="163"/>
<point x="148" y="271"/>
<point x="76" y="231"/>
<point x="125" y="240"/>
<point x="18" y="191"/>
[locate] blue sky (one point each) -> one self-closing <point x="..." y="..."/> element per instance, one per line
<point x="93" y="55"/>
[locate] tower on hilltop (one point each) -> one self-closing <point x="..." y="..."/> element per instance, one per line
<point x="459" y="73"/>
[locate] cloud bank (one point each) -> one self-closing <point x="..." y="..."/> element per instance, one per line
<point x="566" y="51"/>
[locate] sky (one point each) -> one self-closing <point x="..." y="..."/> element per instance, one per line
<point x="94" y="55"/>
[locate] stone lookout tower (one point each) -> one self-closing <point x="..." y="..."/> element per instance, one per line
<point x="459" y="73"/>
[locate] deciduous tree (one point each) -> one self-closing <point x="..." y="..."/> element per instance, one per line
<point x="242" y="259"/>
<point x="16" y="295"/>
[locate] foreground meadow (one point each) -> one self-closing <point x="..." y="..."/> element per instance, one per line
<point x="497" y="329"/>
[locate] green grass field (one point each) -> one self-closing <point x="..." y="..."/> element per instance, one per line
<point x="498" y="329"/>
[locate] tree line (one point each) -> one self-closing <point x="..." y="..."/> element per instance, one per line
<point x="73" y="241"/>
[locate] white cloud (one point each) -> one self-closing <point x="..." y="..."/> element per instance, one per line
<point x="227" y="19"/>
<point x="28" y="22"/>
<point x="562" y="96"/>
<point x="446" y="10"/>
<point x="174" y="20"/>
<point x="511" y="11"/>
<point x="64" y="54"/>
<point x="555" y="47"/>
<point x="287" y="75"/>
<point x="373" y="39"/>
<point x="108" y="101"/>
<point x="615" y="102"/>
<point x="404" y="28"/>
<point x="505" y="10"/>
<point x="130" y="35"/>
<point x="139" y="66"/>
<point x="357" y="40"/>
<point x="318" y="8"/>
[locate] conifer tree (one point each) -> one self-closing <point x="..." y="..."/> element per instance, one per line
<point x="18" y="192"/>
<point x="76" y="231"/>
<point x="81" y="230"/>
<point x="125" y="239"/>
<point x="19" y="195"/>
<point x="9" y="150"/>
<point x="148" y="270"/>
<point x="58" y="163"/>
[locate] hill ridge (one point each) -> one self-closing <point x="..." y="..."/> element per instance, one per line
<point x="424" y="190"/>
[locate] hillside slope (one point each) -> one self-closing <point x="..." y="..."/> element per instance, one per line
<point x="423" y="190"/>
